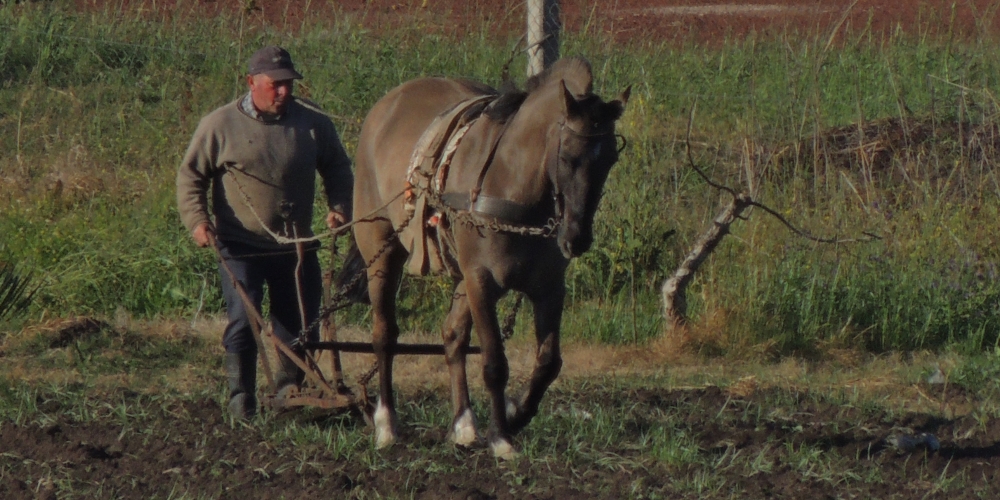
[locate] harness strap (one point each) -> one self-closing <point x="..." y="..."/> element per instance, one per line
<point x="498" y="208"/>
<point x="498" y="134"/>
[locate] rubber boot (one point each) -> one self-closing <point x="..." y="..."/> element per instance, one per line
<point x="289" y="377"/>
<point x="241" y="372"/>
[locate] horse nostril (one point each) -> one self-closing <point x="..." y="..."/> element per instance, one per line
<point x="567" y="249"/>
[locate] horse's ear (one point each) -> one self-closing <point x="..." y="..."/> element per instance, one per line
<point x="569" y="100"/>
<point x="623" y="98"/>
<point x="616" y="108"/>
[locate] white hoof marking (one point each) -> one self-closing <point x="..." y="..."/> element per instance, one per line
<point x="503" y="450"/>
<point x="385" y="431"/>
<point x="511" y="409"/>
<point x="464" y="431"/>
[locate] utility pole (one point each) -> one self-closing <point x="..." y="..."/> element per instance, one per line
<point x="543" y="34"/>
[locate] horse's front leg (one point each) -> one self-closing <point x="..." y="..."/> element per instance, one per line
<point x="482" y="296"/>
<point x="548" y="309"/>
<point x="456" y="343"/>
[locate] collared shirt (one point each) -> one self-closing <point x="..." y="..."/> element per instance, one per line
<point x="246" y="105"/>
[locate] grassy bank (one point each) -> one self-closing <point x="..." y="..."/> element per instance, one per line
<point x="891" y="137"/>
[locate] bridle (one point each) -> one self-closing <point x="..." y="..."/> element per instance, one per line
<point x="557" y="195"/>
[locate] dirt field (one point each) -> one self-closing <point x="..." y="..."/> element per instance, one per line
<point x="137" y="445"/>
<point x="612" y="427"/>
<point x="627" y="21"/>
<point x="767" y="443"/>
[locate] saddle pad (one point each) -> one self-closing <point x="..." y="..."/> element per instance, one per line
<point x="442" y="135"/>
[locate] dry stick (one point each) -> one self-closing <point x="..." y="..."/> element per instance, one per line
<point x="300" y="295"/>
<point x="674" y="288"/>
<point x="821" y="57"/>
<point x="993" y="138"/>
<point x="961" y="130"/>
<point x="328" y="328"/>
<point x="299" y="258"/>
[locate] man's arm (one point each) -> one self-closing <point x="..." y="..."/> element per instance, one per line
<point x="194" y="178"/>
<point x="334" y="166"/>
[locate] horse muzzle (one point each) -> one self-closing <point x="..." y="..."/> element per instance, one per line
<point x="573" y="240"/>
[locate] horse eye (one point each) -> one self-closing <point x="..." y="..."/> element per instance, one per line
<point x="596" y="150"/>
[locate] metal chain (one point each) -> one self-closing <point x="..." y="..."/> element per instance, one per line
<point x="548" y="230"/>
<point x="339" y="299"/>
<point x="470" y="218"/>
<point x="507" y="329"/>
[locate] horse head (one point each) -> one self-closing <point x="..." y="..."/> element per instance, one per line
<point x="587" y="149"/>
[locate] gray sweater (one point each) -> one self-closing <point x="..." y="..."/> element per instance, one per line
<point x="262" y="174"/>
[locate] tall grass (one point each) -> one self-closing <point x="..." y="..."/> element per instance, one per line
<point x="96" y="108"/>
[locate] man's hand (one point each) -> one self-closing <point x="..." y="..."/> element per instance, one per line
<point x="202" y="233"/>
<point x="335" y="219"/>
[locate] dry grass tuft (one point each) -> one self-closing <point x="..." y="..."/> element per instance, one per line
<point x="744" y="387"/>
<point x="60" y="332"/>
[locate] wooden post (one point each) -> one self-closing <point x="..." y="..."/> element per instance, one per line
<point x="543" y="34"/>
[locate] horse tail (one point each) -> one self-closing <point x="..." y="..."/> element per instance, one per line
<point x="352" y="280"/>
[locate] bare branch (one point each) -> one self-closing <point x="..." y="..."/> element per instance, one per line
<point x="674" y="288"/>
<point x="687" y="144"/>
<point x="805" y="234"/>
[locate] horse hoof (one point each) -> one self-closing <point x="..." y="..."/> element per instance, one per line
<point x="463" y="431"/>
<point x="503" y="450"/>
<point x="384" y="439"/>
<point x="385" y="430"/>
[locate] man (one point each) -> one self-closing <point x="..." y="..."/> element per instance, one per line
<point x="259" y="156"/>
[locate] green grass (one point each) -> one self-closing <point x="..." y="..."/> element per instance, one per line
<point x="97" y="108"/>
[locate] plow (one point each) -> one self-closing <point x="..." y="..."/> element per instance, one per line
<point x="324" y="385"/>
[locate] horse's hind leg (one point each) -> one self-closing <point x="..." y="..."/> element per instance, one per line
<point x="456" y="342"/>
<point x="548" y="360"/>
<point x="383" y="279"/>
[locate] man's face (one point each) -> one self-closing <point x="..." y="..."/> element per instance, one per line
<point x="270" y="96"/>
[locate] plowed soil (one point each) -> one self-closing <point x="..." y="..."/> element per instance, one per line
<point x="804" y="447"/>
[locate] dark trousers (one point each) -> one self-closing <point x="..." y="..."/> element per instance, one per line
<point x="253" y="268"/>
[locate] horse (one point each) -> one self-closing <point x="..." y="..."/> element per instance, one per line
<point x="497" y="189"/>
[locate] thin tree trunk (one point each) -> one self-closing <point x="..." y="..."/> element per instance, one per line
<point x="674" y="288"/>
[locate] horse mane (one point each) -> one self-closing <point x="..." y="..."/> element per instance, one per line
<point x="507" y="103"/>
<point x="575" y="71"/>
